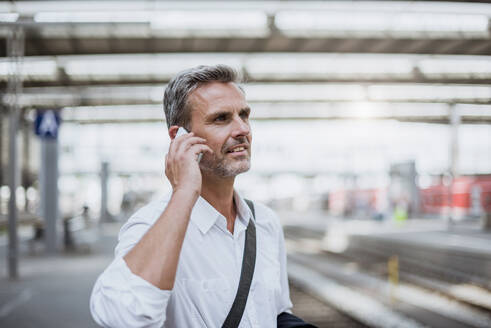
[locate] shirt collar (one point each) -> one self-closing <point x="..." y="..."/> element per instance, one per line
<point x="205" y="216"/>
<point x="243" y="209"/>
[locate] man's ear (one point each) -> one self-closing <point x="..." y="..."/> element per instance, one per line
<point x="173" y="131"/>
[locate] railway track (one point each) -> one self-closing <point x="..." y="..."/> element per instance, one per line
<point x="317" y="312"/>
<point x="427" y="293"/>
<point x="445" y="265"/>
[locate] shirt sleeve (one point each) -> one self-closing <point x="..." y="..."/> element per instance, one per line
<point x="284" y="303"/>
<point x="119" y="297"/>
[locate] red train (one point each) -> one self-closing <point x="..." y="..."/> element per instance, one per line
<point x="469" y="196"/>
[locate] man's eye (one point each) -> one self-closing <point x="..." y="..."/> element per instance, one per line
<point x="220" y="118"/>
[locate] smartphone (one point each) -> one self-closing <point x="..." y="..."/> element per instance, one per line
<point x="182" y="131"/>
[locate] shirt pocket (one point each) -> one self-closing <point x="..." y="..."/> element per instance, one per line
<point x="206" y="299"/>
<point x="272" y="277"/>
<point x="265" y="292"/>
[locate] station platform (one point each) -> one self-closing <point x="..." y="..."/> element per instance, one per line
<point x="54" y="289"/>
<point x="435" y="233"/>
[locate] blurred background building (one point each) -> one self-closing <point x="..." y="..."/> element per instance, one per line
<point x="377" y="111"/>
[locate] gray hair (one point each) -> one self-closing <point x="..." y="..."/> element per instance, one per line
<point x="176" y="107"/>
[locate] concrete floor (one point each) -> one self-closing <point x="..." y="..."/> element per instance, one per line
<point x="54" y="291"/>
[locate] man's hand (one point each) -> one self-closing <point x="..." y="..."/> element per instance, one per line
<point x="156" y="255"/>
<point x="181" y="166"/>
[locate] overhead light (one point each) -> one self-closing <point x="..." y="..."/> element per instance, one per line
<point x="37" y="70"/>
<point x="8" y="17"/>
<point x="381" y="24"/>
<point x="328" y="66"/>
<point x="472" y="110"/>
<point x="211" y="23"/>
<point x="139" y="67"/>
<point x="430" y="92"/>
<point x="173" y="23"/>
<point x="455" y="67"/>
<point x="93" y="17"/>
<point x="279" y="92"/>
<point x="113" y="113"/>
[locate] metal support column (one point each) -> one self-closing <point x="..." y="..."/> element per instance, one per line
<point x="454" y="146"/>
<point x="15" y="52"/>
<point x="2" y="146"/>
<point x="49" y="191"/>
<point x="47" y="125"/>
<point x="454" y="156"/>
<point x="104" y="180"/>
<point x="26" y="179"/>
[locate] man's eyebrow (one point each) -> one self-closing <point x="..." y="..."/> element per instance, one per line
<point x="226" y="113"/>
<point x="217" y="114"/>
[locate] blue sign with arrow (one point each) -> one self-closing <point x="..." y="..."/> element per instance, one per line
<point x="47" y="123"/>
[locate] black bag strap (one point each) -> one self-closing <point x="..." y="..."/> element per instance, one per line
<point x="247" y="271"/>
<point x="288" y="320"/>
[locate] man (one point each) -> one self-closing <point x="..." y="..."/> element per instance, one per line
<point x="178" y="260"/>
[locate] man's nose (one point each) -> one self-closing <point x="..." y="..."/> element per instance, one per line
<point x="240" y="128"/>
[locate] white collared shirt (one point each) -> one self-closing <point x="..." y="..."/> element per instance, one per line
<point x="207" y="275"/>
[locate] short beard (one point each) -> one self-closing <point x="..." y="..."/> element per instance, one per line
<point x="221" y="169"/>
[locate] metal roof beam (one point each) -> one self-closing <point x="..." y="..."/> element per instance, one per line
<point x="410" y="112"/>
<point x="264" y="92"/>
<point x="278" y="67"/>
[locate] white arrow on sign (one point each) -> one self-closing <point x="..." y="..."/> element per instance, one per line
<point x="48" y="125"/>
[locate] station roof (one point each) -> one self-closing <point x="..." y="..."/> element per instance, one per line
<point x="106" y="53"/>
<point x="117" y="27"/>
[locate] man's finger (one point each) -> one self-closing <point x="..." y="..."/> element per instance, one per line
<point x="188" y="143"/>
<point x="178" y="140"/>
<point x="181" y="145"/>
<point x="201" y="148"/>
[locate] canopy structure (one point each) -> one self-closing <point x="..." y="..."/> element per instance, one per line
<point x="109" y="27"/>
<point x="80" y="54"/>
